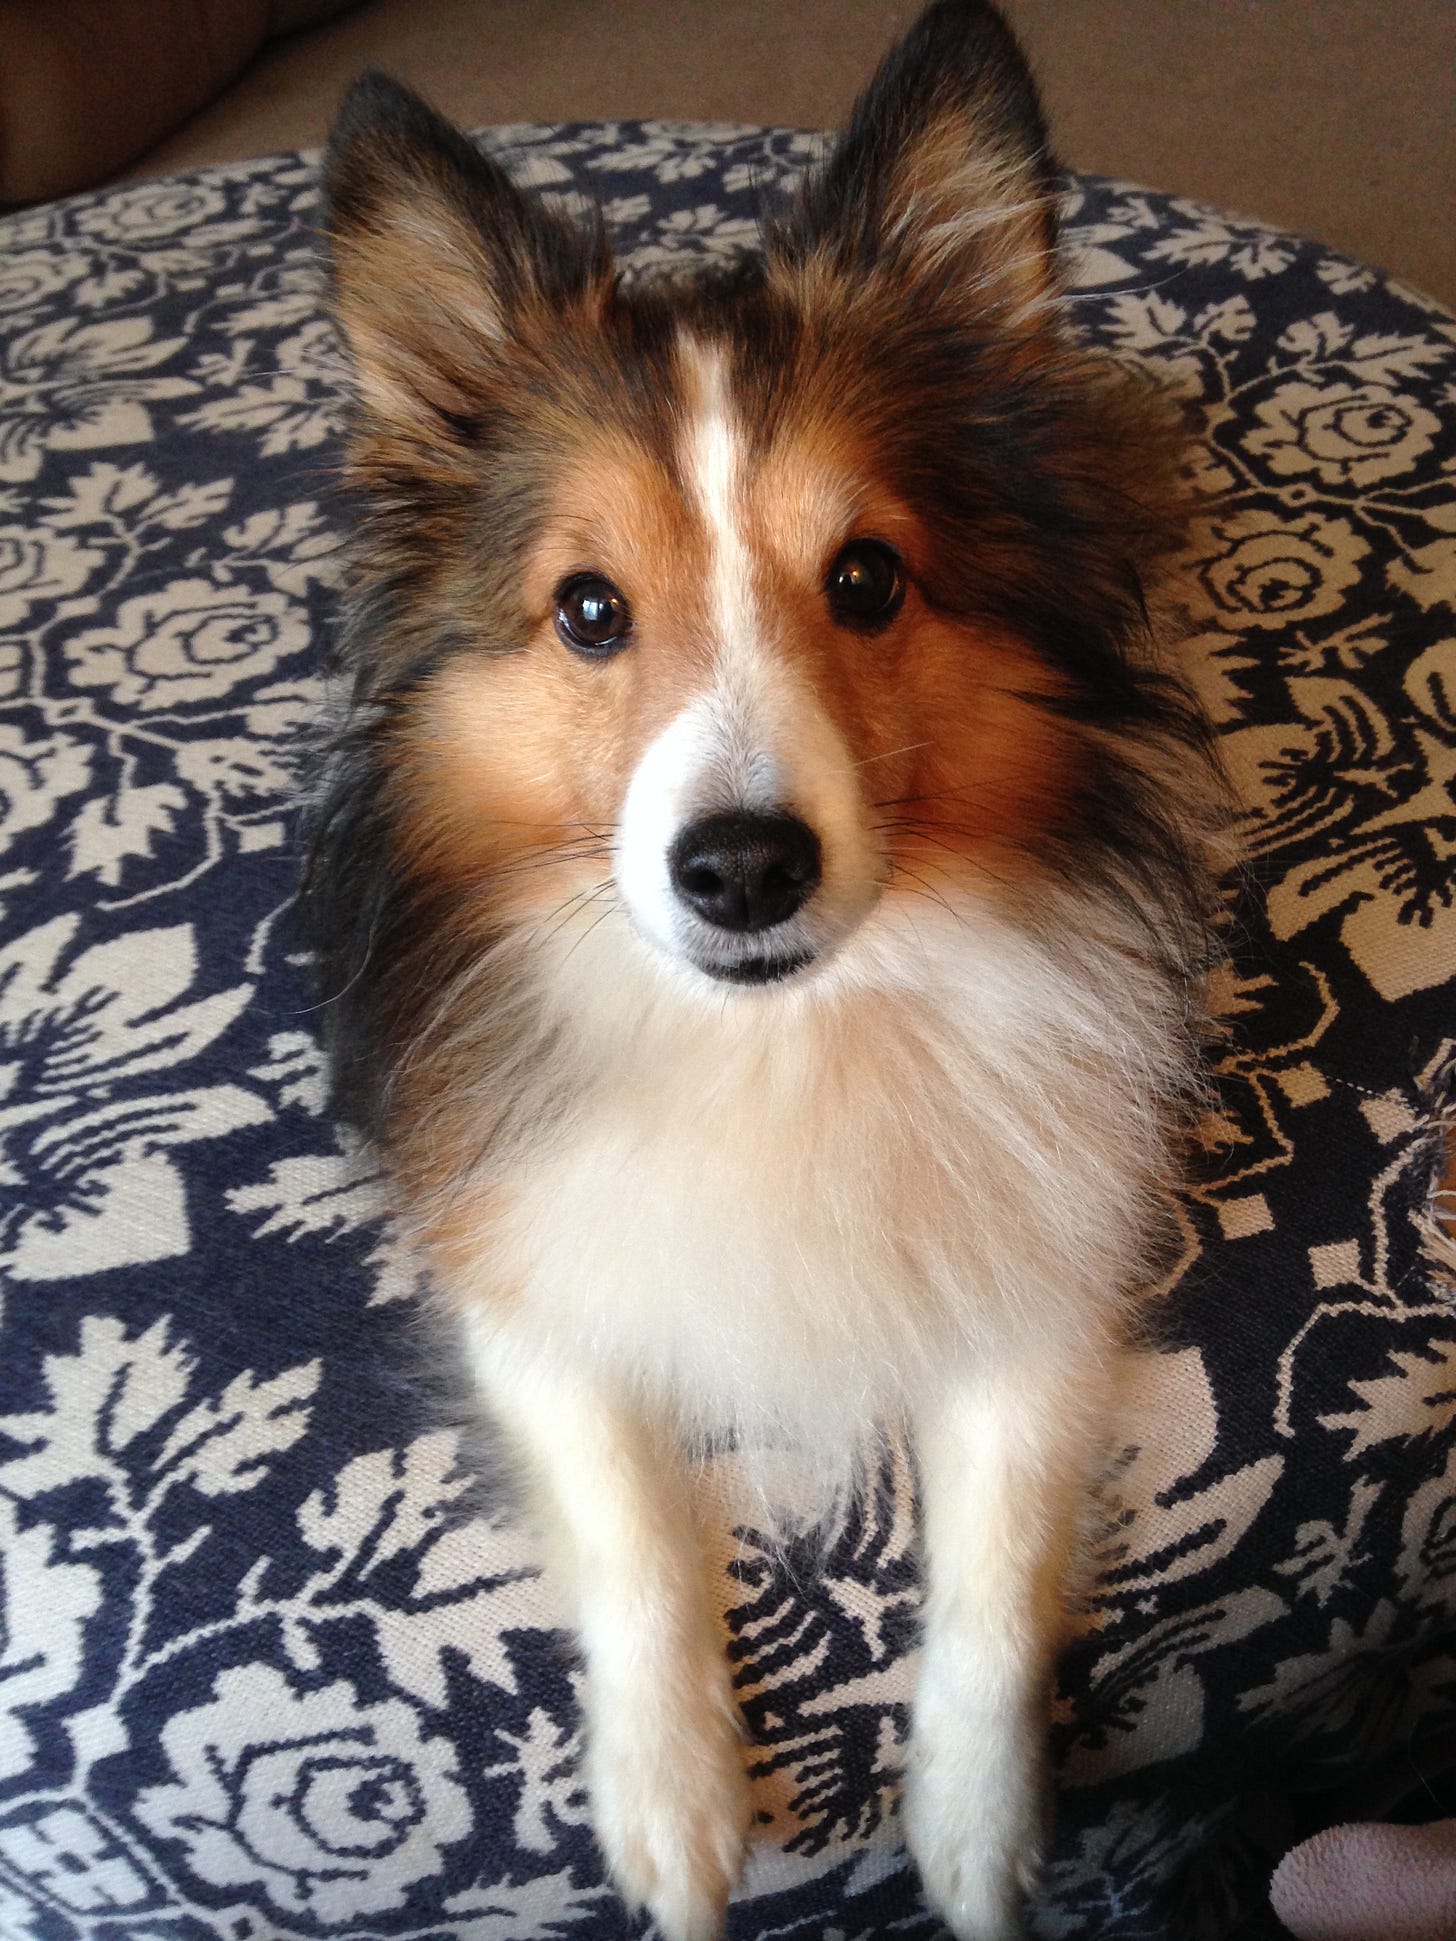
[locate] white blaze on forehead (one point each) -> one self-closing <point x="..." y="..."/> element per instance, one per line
<point x="713" y="466"/>
<point x="721" y="751"/>
<point x="755" y="737"/>
<point x="740" y="720"/>
<point x="724" y="750"/>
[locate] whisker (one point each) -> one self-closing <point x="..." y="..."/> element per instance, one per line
<point x="550" y="859"/>
<point x="936" y="795"/>
<point x="591" y="926"/>
<point x="564" y="912"/>
<point x="977" y="865"/>
<point x="924" y="835"/>
<point x="524" y="822"/>
<point x="927" y="889"/>
<point x="910" y="748"/>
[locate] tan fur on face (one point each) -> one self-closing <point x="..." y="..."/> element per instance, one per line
<point x="956" y="758"/>
<point x="516" y="765"/>
<point x="527" y="755"/>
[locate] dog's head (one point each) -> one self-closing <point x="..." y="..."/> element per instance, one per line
<point x="753" y="605"/>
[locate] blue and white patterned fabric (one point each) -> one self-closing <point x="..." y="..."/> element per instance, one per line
<point x="274" y="1661"/>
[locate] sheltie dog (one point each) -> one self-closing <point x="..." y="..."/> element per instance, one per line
<point x="760" y="875"/>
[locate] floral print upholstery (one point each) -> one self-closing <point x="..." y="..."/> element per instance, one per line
<point x="276" y="1658"/>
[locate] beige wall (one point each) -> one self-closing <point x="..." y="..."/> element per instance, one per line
<point x="1331" y="117"/>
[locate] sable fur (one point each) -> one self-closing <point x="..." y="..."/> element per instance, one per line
<point x="918" y="1183"/>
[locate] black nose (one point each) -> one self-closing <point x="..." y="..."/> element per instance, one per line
<point x="745" y="872"/>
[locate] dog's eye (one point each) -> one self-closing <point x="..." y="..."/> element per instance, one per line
<point x="592" y="615"/>
<point x="865" y="586"/>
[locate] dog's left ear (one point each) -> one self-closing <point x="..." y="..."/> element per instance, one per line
<point x="943" y="182"/>
<point x="441" y="264"/>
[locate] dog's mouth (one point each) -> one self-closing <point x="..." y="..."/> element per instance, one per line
<point x="759" y="969"/>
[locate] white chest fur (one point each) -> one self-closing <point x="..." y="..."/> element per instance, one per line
<point x="788" y="1213"/>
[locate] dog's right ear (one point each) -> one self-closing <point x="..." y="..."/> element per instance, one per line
<point x="439" y="261"/>
<point x="942" y="188"/>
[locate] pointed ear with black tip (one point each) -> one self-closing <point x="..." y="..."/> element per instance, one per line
<point x="439" y="261"/>
<point x="943" y="181"/>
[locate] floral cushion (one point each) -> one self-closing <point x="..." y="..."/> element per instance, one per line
<point x="274" y="1660"/>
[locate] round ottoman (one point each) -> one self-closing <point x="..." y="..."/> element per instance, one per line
<point x="276" y="1659"/>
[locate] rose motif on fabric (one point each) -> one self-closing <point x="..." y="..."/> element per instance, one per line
<point x="328" y="1806"/>
<point x="162" y="211"/>
<point x="187" y="642"/>
<point x="1263" y="571"/>
<point x="30" y="277"/>
<point x="1346" y="434"/>
<point x="37" y="566"/>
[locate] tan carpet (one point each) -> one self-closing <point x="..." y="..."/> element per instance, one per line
<point x="1331" y="117"/>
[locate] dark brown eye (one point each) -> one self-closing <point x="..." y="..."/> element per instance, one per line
<point x="865" y="586"/>
<point x="592" y="615"/>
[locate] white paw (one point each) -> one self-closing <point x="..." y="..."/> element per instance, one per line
<point x="974" y="1818"/>
<point x="670" y="1807"/>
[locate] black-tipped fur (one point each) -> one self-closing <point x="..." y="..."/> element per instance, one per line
<point x="391" y="158"/>
<point x="959" y="65"/>
<point x="438" y="259"/>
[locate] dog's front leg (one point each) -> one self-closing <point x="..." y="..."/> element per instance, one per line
<point x="1003" y="1461"/>
<point x="664" y="1763"/>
